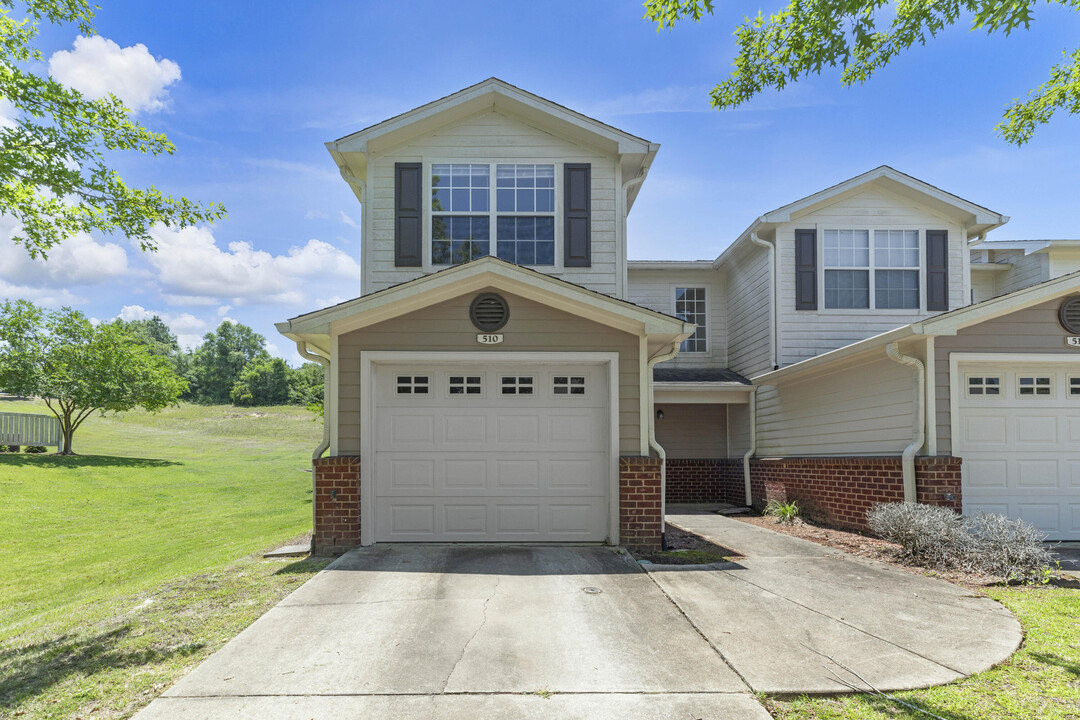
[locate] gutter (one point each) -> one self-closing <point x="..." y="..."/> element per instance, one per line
<point x="773" y="302"/>
<point x="918" y="434"/>
<point x="753" y="448"/>
<point x="301" y="347"/>
<point x="652" y="434"/>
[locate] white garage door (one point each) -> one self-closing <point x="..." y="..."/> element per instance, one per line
<point x="491" y="453"/>
<point x="1019" y="438"/>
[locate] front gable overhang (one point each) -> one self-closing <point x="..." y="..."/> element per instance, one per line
<point x="945" y="324"/>
<point x="319" y="327"/>
<point x="975" y="219"/>
<point x="351" y="151"/>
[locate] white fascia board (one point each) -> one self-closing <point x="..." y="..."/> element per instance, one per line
<point x="701" y="393"/>
<point x="759" y="224"/>
<point x="669" y="265"/>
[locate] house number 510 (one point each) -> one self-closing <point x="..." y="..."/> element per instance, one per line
<point x="489" y="339"/>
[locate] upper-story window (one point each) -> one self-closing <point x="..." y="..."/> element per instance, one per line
<point x="860" y="265"/>
<point x="690" y="306"/>
<point x="464" y="213"/>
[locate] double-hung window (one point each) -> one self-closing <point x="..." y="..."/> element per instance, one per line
<point x="464" y="213"/>
<point x="861" y="267"/>
<point x="690" y="306"/>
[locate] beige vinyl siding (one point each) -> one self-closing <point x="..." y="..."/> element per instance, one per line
<point x="805" y="334"/>
<point x="863" y="407"/>
<point x="738" y="426"/>
<point x="1035" y="330"/>
<point x="655" y="289"/>
<point x="746" y="277"/>
<point x="692" y="431"/>
<point x="982" y="285"/>
<point x="494" y="137"/>
<point x="1063" y="261"/>
<point x="446" y="327"/>
<point x="1027" y="270"/>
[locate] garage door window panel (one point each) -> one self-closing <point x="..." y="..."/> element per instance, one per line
<point x="983" y="385"/>
<point x="1074" y="386"/>
<point x="1028" y="385"/>
<point x="413" y="385"/>
<point x="517" y="384"/>
<point x="465" y="385"/>
<point x="568" y="385"/>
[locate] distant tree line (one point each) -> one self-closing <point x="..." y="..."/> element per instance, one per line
<point x="231" y="366"/>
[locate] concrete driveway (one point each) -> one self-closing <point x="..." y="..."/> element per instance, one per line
<point x="444" y="631"/>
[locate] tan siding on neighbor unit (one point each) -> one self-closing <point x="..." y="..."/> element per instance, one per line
<point x="692" y="431"/>
<point x="493" y="137"/>
<point x="746" y="277"/>
<point x="1026" y="270"/>
<point x="807" y="333"/>
<point x="738" y="425"/>
<point x="861" y="408"/>
<point x="446" y="327"/>
<point x="1035" y="330"/>
<point x="655" y="289"/>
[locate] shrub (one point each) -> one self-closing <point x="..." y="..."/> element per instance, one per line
<point x="939" y="538"/>
<point x="36" y="449"/>
<point x="784" y="512"/>
<point x="9" y="448"/>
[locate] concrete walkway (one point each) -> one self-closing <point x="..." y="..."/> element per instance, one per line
<point x="792" y="613"/>
<point x="485" y="632"/>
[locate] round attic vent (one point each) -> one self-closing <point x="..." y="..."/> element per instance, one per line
<point x="489" y="312"/>
<point x="1069" y="314"/>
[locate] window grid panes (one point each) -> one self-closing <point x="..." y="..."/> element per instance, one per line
<point x="413" y="384"/>
<point x="896" y="288"/>
<point x="859" y="266"/>
<point x="568" y="385"/>
<point x="1074" y="385"/>
<point x="465" y="384"/>
<point x="517" y="385"/>
<point x="847" y="288"/>
<point x="986" y="385"/>
<point x="522" y="211"/>
<point x="1033" y="385"/>
<point x="690" y="306"/>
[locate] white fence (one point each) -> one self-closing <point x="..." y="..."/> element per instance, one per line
<point x="25" y="429"/>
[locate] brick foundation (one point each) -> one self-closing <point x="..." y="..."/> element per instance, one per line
<point x="336" y="499"/>
<point x="640" y="511"/>
<point x="838" y="491"/>
<point x="692" y="481"/>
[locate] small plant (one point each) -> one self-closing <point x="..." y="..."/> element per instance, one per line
<point x="36" y="449"/>
<point x="784" y="512"/>
<point x="9" y="448"/>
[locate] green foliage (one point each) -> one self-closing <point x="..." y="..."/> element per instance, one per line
<point x="154" y="334"/>
<point x="36" y="449"/>
<point x="77" y="367"/>
<point x="217" y="363"/>
<point x="808" y="36"/>
<point x="263" y="381"/>
<point x="306" y="385"/>
<point x="784" y="512"/>
<point x="54" y="177"/>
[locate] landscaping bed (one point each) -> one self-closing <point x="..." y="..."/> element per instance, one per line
<point x="686" y="548"/>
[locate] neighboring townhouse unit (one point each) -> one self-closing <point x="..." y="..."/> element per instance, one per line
<point x="507" y="374"/>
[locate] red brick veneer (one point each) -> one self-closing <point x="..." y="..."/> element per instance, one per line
<point x="640" y="511"/>
<point x="838" y="491"/>
<point x="337" y="504"/>
<point x="693" y="480"/>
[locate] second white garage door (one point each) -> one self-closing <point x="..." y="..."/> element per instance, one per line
<point x="1018" y="433"/>
<point x="491" y="453"/>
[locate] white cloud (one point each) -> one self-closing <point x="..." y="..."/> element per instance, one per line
<point x="8" y="113"/>
<point x="348" y="220"/>
<point x="193" y="270"/>
<point x="49" y="297"/>
<point x="97" y="66"/>
<point x="79" y="260"/>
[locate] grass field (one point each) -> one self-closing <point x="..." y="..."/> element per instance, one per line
<point x="131" y="562"/>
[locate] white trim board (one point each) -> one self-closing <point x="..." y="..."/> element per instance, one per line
<point x="370" y="359"/>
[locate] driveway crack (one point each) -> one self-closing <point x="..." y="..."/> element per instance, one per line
<point x="465" y="648"/>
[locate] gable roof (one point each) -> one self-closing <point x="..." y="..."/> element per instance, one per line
<point x="637" y="154"/>
<point x="977" y="219"/>
<point x="317" y="327"/>
<point x="947" y="323"/>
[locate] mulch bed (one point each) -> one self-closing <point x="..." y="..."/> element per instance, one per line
<point x="865" y="546"/>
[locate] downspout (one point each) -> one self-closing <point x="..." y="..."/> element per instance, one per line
<point x="301" y="347"/>
<point x="652" y="435"/>
<point x="773" y="350"/>
<point x="918" y="433"/>
<point x="753" y="447"/>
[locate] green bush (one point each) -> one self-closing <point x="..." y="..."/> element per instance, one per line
<point x="784" y="512"/>
<point x="36" y="449"/>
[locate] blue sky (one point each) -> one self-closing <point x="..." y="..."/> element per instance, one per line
<point x="249" y="92"/>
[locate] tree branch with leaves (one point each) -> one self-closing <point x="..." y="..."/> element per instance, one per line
<point x="809" y="36"/>
<point x="55" y="177"/>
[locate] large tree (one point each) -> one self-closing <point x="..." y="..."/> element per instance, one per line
<point x="55" y="176"/>
<point x="77" y="367"/>
<point x="217" y="363"/>
<point x="810" y="35"/>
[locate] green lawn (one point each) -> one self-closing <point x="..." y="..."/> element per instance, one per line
<point x="130" y="563"/>
<point x="1042" y="680"/>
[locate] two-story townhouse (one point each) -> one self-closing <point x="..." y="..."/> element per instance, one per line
<point x="507" y="375"/>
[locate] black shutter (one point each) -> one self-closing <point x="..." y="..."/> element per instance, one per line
<point x="937" y="269"/>
<point x="577" y="240"/>
<point x="806" y="269"/>
<point x="408" y="247"/>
